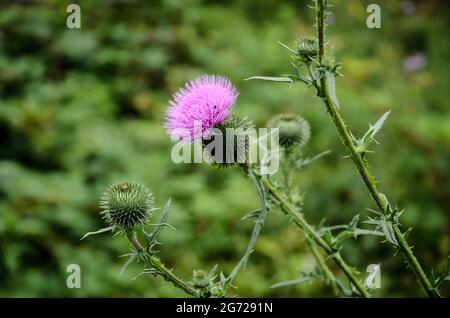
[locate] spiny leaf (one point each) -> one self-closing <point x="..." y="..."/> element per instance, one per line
<point x="445" y="276"/>
<point x="152" y="238"/>
<point x="288" y="48"/>
<point x="128" y="262"/>
<point x="354" y="223"/>
<point x="106" y="229"/>
<point x="331" y="86"/>
<point x="293" y="282"/>
<point x="304" y="162"/>
<point x="253" y="214"/>
<point x="379" y="124"/>
<point x="272" y="78"/>
<point x="384" y="225"/>
<point x="256" y="230"/>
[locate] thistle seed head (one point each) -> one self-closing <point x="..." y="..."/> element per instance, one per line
<point x="294" y="130"/>
<point x="126" y="204"/>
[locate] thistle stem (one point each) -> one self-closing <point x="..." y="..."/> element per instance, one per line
<point x="326" y="271"/>
<point x="287" y="180"/>
<point x="171" y="277"/>
<point x="320" y="10"/>
<point x="300" y="221"/>
<point x="361" y="165"/>
<point x="154" y="262"/>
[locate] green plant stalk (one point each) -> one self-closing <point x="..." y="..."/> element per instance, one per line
<point x="300" y="221"/>
<point x="330" y="278"/>
<point x="361" y="164"/>
<point x="156" y="263"/>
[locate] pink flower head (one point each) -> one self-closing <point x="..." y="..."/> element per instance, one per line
<point x="200" y="105"/>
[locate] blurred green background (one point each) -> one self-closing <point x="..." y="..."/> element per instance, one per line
<point x="83" y="108"/>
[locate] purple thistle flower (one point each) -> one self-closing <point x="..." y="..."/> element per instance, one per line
<point x="200" y="105"/>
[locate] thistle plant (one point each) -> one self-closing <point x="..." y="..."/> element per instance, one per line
<point x="313" y="67"/>
<point x="202" y="108"/>
<point x="294" y="132"/>
<point x="127" y="208"/>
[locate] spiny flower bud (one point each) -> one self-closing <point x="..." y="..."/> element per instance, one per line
<point x="307" y="48"/>
<point x="293" y="129"/>
<point x="126" y="204"/>
<point x="234" y="146"/>
<point x="200" y="279"/>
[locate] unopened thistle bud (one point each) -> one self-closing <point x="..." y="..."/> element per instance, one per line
<point x="307" y="49"/>
<point x="294" y="130"/>
<point x="200" y="279"/>
<point x="126" y="204"/>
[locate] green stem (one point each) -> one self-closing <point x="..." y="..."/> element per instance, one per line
<point x="372" y="188"/>
<point x="326" y="271"/>
<point x="300" y="221"/>
<point x="287" y="176"/>
<point x="320" y="9"/>
<point x="171" y="277"/>
<point x="156" y="263"/>
<point x="361" y="164"/>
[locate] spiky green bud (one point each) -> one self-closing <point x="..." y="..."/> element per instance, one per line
<point x="293" y="129"/>
<point x="126" y="204"/>
<point x="200" y="279"/>
<point x="307" y="49"/>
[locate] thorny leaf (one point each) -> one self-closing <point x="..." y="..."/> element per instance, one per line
<point x="348" y="231"/>
<point x="256" y="230"/>
<point x="362" y="144"/>
<point x="384" y="224"/>
<point x="253" y="214"/>
<point x="288" y="48"/>
<point x="299" y="75"/>
<point x="373" y="130"/>
<point x="444" y="277"/>
<point x="153" y="237"/>
<point x="130" y="260"/>
<point x="304" y="162"/>
<point x="297" y="281"/>
<point x="331" y="86"/>
<point x="106" y="229"/>
<point x="151" y="271"/>
<point x="272" y="79"/>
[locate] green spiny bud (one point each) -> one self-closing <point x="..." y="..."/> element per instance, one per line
<point x="200" y="279"/>
<point x="235" y="143"/>
<point x="294" y="129"/>
<point x="126" y="204"/>
<point x="307" y="49"/>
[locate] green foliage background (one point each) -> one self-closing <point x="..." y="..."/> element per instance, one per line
<point x="81" y="109"/>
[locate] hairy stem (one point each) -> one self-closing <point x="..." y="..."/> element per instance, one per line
<point x="320" y="10"/>
<point x="361" y="165"/>
<point x="155" y="263"/>
<point x="287" y="180"/>
<point x="326" y="271"/>
<point x="300" y="221"/>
